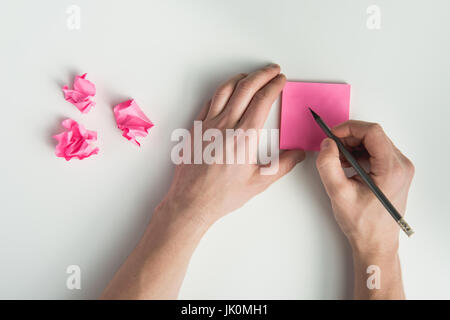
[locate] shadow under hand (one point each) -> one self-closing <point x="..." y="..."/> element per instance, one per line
<point x="336" y="280"/>
<point x="122" y="244"/>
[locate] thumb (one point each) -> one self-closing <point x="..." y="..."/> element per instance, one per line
<point x="330" y="169"/>
<point x="287" y="160"/>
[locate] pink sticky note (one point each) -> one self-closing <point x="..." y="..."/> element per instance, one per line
<point x="331" y="101"/>
<point x="132" y="120"/>
<point x="75" y="142"/>
<point x="80" y="95"/>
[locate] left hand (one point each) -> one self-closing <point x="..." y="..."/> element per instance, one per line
<point x="202" y="193"/>
<point x="207" y="192"/>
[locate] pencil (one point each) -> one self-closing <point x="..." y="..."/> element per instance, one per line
<point x="365" y="177"/>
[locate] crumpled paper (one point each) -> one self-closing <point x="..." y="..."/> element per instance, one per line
<point x="81" y="94"/>
<point x="75" y="142"/>
<point x="132" y="121"/>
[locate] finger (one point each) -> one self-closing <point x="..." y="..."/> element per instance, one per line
<point x="351" y="142"/>
<point x="205" y="109"/>
<point x="287" y="160"/>
<point x="371" y="135"/>
<point x="223" y="94"/>
<point x="330" y="169"/>
<point x="256" y="114"/>
<point x="363" y="159"/>
<point x="357" y="153"/>
<point x="245" y="90"/>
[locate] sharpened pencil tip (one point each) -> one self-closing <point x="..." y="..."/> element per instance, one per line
<point x="315" y="115"/>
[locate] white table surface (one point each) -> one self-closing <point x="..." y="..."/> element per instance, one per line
<point x="169" y="56"/>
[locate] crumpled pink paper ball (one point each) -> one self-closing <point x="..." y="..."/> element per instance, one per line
<point x="80" y="95"/>
<point x="132" y="120"/>
<point x="75" y="142"/>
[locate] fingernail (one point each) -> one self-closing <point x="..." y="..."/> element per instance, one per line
<point x="324" y="144"/>
<point x="273" y="65"/>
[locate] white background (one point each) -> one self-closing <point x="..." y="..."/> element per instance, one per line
<point x="169" y="56"/>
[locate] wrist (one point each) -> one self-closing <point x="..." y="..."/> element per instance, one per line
<point x="374" y="241"/>
<point x="170" y="230"/>
<point x="189" y="216"/>
<point x="375" y="251"/>
<point x="170" y="221"/>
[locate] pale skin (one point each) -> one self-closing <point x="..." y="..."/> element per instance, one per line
<point x="201" y="194"/>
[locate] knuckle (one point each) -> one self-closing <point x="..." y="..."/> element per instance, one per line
<point x="261" y="95"/>
<point x="228" y="87"/>
<point x="402" y="169"/>
<point x="222" y="122"/>
<point x="266" y="70"/>
<point x="222" y="90"/>
<point x="245" y="85"/>
<point x="321" y="162"/>
<point x="246" y="123"/>
<point x="397" y="170"/>
<point x="410" y="169"/>
<point x="375" y="128"/>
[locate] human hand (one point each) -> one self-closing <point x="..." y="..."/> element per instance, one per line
<point x="202" y="193"/>
<point x="360" y="215"/>
<point x="206" y="192"/>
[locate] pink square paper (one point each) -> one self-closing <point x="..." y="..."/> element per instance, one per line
<point x="331" y="101"/>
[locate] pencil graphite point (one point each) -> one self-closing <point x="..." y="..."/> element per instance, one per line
<point x="315" y="115"/>
<point x="368" y="181"/>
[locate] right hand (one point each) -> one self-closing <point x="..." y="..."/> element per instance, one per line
<point x="360" y="215"/>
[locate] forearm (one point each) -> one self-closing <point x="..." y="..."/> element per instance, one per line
<point x="156" y="267"/>
<point x="381" y="281"/>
